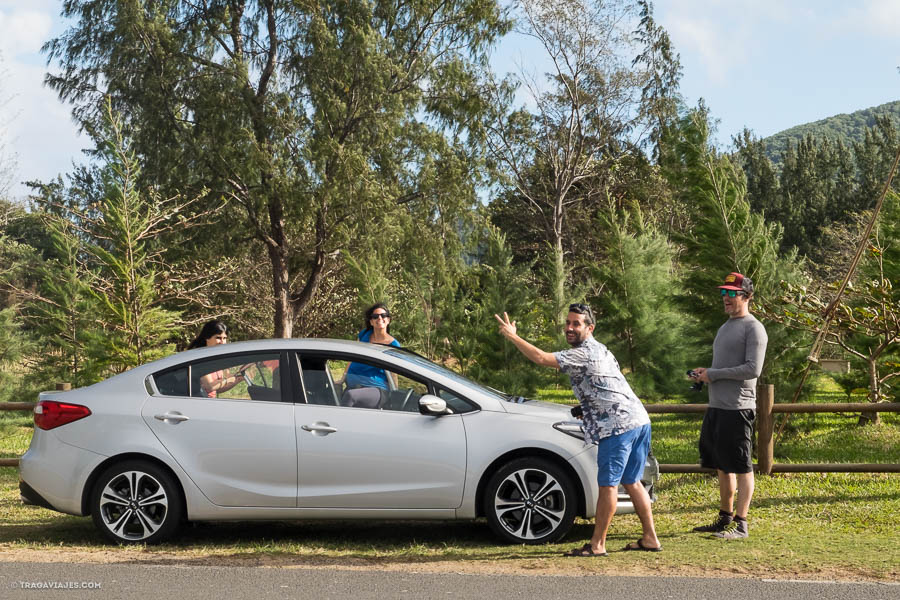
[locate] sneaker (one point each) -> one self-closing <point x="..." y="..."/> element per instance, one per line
<point x="719" y="525"/>
<point x="737" y="530"/>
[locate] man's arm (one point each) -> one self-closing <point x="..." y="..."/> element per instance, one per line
<point x="531" y="352"/>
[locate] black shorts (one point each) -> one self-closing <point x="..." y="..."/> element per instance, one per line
<point x="726" y="440"/>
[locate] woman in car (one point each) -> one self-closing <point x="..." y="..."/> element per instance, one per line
<point x="213" y="334"/>
<point x="377" y="330"/>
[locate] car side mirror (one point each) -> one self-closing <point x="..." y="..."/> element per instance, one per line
<point x="434" y="406"/>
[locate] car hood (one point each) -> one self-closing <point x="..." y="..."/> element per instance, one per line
<point x="538" y="408"/>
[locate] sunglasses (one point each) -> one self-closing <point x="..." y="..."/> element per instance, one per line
<point x="381" y="316"/>
<point x="732" y="293"/>
<point x="582" y="309"/>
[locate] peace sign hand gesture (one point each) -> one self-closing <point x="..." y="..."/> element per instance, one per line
<point x="507" y="327"/>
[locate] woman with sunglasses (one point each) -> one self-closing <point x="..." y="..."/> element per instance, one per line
<point x="377" y="330"/>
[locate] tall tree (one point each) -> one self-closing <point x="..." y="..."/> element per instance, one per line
<point x="636" y="311"/>
<point x="305" y="116"/>
<point x="7" y="157"/>
<point x="725" y="236"/>
<point x="612" y="71"/>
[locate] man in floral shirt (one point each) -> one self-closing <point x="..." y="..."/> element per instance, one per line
<point x="614" y="419"/>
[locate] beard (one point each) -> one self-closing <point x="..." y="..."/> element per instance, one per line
<point x="575" y="339"/>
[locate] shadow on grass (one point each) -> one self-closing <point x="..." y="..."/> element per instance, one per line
<point x="305" y="543"/>
<point x="399" y="541"/>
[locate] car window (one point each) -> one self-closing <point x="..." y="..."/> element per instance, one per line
<point x="359" y="384"/>
<point x="318" y="381"/>
<point x="173" y="382"/>
<point x="255" y="376"/>
<point x="455" y="403"/>
<point x="441" y="370"/>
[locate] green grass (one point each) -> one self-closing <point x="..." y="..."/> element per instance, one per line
<point x="802" y="525"/>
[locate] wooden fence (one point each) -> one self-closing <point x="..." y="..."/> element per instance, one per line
<point x="765" y="428"/>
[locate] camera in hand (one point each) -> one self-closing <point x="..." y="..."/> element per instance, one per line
<point x="697" y="385"/>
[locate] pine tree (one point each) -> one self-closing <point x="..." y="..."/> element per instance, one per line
<point x="499" y="286"/>
<point x="636" y="314"/>
<point x="726" y="236"/>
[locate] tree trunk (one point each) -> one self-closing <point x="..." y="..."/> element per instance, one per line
<point x="866" y="418"/>
<point x="284" y="314"/>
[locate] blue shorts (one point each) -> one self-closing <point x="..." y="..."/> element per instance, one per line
<point x="621" y="458"/>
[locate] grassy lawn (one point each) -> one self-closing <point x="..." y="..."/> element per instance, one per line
<point x="839" y="526"/>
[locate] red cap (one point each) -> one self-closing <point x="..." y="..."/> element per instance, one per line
<point x="737" y="282"/>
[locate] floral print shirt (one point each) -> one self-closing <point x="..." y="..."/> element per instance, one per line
<point x="610" y="406"/>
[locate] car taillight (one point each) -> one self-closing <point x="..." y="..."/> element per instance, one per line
<point x="49" y="414"/>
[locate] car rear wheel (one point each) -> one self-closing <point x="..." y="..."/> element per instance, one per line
<point x="136" y="502"/>
<point x="530" y="501"/>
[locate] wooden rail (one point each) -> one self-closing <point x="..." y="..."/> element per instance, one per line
<point x="765" y="428"/>
<point x="23" y="406"/>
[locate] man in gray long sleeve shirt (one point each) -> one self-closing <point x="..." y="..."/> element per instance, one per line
<point x="726" y="437"/>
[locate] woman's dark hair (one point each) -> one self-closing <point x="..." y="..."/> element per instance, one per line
<point x="209" y="330"/>
<point x="368" y="324"/>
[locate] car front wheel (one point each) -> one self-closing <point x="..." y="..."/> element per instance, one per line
<point x="530" y="501"/>
<point x="136" y="502"/>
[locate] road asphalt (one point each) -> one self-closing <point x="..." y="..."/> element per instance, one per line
<point x="74" y="581"/>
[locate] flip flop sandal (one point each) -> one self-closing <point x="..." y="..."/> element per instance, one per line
<point x="585" y="550"/>
<point x="641" y="547"/>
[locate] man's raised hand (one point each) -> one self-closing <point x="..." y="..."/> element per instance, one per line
<point x="507" y="327"/>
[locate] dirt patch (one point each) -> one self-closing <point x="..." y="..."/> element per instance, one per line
<point x="529" y="566"/>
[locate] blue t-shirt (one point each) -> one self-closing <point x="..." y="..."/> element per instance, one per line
<point x="362" y="375"/>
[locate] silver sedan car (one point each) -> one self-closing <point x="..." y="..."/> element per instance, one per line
<point x="267" y="430"/>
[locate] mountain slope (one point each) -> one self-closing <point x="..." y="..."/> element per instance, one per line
<point x="848" y="128"/>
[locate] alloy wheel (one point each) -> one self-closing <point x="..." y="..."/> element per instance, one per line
<point x="133" y="505"/>
<point x="530" y="504"/>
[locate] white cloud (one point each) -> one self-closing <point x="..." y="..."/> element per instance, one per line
<point x="728" y="35"/>
<point x="875" y="17"/>
<point x="702" y="37"/>
<point x="23" y="32"/>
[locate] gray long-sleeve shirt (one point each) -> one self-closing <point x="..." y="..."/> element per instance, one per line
<point x="738" y="353"/>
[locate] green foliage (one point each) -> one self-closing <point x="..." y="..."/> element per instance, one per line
<point x="98" y="307"/>
<point x="307" y="117"/>
<point x="60" y="313"/>
<point x="636" y="312"/>
<point x="845" y="128"/>
<point x="866" y="321"/>
<point x="122" y="233"/>
<point x="613" y="74"/>
<point x="726" y="236"/>
<point x="15" y="346"/>
<point x="494" y="286"/>
<point x="818" y="183"/>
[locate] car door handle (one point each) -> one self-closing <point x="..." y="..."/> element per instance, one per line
<point x="176" y="417"/>
<point x="319" y="428"/>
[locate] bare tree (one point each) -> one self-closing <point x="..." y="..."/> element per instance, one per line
<point x="8" y="163"/>
<point x="598" y="102"/>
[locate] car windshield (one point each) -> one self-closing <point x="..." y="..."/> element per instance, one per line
<point x="438" y="369"/>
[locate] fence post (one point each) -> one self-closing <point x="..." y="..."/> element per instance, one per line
<point x="765" y="427"/>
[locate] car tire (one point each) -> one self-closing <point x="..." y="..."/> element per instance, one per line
<point x="136" y="502"/>
<point x="530" y="501"/>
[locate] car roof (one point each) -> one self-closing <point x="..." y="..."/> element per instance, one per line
<point x="268" y="345"/>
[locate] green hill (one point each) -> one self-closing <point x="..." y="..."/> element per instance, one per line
<point x="847" y="128"/>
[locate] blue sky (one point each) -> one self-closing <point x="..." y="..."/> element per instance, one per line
<point x="763" y="64"/>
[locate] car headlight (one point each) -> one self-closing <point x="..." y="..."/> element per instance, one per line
<point x="572" y="428"/>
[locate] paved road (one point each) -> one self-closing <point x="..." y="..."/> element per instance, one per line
<point x="129" y="581"/>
